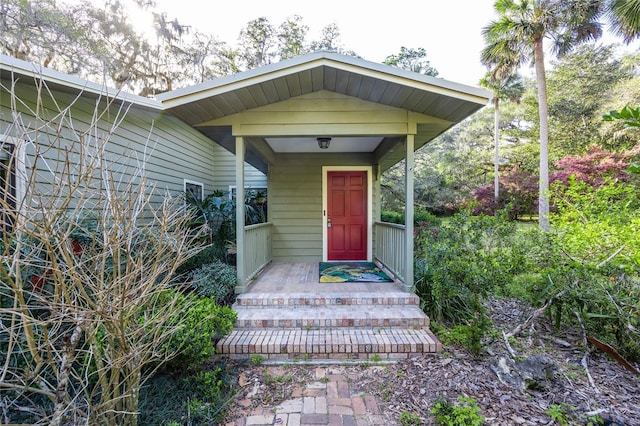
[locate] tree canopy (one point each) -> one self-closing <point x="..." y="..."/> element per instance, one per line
<point x="101" y="43"/>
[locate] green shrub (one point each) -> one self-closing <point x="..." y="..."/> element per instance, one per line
<point x="443" y="297"/>
<point x="470" y="335"/>
<point x="207" y="255"/>
<point x="607" y="300"/>
<point x="257" y="359"/>
<point x="465" y="413"/>
<point x="200" y="396"/>
<point x="596" y="227"/>
<point x="561" y="413"/>
<point x="461" y="262"/>
<point x="467" y="258"/>
<point x="392" y="217"/>
<point x="419" y="217"/>
<point x="209" y="382"/>
<point x="215" y="279"/>
<point x="599" y="224"/>
<point x="425" y="217"/>
<point x="409" y="419"/>
<point x="198" y="327"/>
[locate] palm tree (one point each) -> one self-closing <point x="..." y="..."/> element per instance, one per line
<point x="624" y="17"/>
<point x="509" y="88"/>
<point x="518" y="37"/>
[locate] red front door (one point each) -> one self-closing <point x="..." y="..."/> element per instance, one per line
<point x="347" y="215"/>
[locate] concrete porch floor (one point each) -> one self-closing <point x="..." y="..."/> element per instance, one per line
<point x="288" y="314"/>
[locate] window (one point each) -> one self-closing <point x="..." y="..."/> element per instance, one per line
<point x="194" y="190"/>
<point x="250" y="191"/>
<point x="256" y="202"/>
<point x="8" y="187"/>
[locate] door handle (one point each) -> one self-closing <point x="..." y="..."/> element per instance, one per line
<point x="328" y="223"/>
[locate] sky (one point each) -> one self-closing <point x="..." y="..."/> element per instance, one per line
<point x="449" y="30"/>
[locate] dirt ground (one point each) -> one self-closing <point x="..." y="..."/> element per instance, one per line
<point x="413" y="386"/>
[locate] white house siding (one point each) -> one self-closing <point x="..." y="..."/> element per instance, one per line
<point x="295" y="202"/>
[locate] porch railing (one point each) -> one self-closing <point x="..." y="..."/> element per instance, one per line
<point x="390" y="247"/>
<point x="257" y="248"/>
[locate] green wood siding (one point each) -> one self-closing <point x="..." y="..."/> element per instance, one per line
<point x="322" y="112"/>
<point x="295" y="202"/>
<point x="174" y="151"/>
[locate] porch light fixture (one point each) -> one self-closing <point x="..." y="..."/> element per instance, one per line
<point x="323" y="143"/>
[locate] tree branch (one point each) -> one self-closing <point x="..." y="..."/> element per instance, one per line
<point x="585" y="358"/>
<point x="508" y="345"/>
<point x="534" y="315"/>
<point x="608" y="259"/>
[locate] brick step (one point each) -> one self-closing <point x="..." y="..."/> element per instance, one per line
<point x="331" y="316"/>
<point x="327" y="299"/>
<point x="332" y="344"/>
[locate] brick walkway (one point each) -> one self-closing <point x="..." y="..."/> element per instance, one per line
<point x="328" y="400"/>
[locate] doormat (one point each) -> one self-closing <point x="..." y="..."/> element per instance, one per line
<point x="342" y="272"/>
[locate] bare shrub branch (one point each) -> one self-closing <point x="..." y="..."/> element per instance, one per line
<point x="87" y="293"/>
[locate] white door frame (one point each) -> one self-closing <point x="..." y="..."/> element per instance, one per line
<point x="325" y="238"/>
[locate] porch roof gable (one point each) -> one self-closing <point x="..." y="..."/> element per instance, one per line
<point x="323" y="70"/>
<point x="442" y="102"/>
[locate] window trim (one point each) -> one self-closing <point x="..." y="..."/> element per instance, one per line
<point x="193" y="182"/>
<point x="18" y="160"/>
<point x="20" y="169"/>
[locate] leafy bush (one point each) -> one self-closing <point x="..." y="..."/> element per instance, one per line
<point x="470" y="335"/>
<point x="519" y="187"/>
<point x="561" y="413"/>
<point x="207" y="255"/>
<point x="425" y="217"/>
<point x="535" y="254"/>
<point x="599" y="225"/>
<point x="518" y="194"/>
<point x="215" y="279"/>
<point x="392" y="217"/>
<point x="589" y="265"/>
<point x="218" y="212"/>
<point x="198" y="326"/>
<point x="200" y="396"/>
<point x="419" y="217"/>
<point x="460" y="262"/>
<point x="465" y="413"/>
<point x="210" y="382"/>
<point x="409" y="419"/>
<point x="443" y="297"/>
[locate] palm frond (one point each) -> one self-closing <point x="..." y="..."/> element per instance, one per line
<point x="624" y="17"/>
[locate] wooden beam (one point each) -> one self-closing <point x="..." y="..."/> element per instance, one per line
<point x="241" y="286"/>
<point x="408" y="212"/>
<point x="263" y="150"/>
<point x="350" y="129"/>
<point x="388" y="146"/>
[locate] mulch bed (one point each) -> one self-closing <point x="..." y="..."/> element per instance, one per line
<point x="413" y="385"/>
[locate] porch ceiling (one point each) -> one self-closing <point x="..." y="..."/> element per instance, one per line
<point x="310" y="144"/>
<point x="450" y="102"/>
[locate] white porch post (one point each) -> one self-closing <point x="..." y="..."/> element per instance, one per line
<point x="408" y="212"/>
<point x="241" y="286"/>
